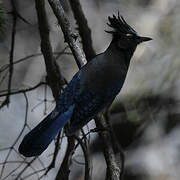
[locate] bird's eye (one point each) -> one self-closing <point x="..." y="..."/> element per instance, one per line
<point x="129" y="35"/>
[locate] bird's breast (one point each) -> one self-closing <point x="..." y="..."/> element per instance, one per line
<point x="106" y="77"/>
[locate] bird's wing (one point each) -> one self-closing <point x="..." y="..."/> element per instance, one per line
<point x="71" y="92"/>
<point x="89" y="104"/>
<point x="37" y="140"/>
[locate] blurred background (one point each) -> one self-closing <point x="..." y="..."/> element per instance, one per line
<point x="146" y="114"/>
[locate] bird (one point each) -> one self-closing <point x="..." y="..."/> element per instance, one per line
<point x="91" y="90"/>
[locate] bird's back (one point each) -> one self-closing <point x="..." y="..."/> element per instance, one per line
<point x="100" y="81"/>
<point x="105" y="71"/>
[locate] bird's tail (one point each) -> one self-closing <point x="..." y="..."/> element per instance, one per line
<point x="37" y="140"/>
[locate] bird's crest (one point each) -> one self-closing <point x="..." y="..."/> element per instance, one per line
<point x="119" y="25"/>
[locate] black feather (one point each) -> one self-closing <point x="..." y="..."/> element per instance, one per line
<point x="119" y="25"/>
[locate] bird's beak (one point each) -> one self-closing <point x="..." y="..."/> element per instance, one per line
<point x="143" y="39"/>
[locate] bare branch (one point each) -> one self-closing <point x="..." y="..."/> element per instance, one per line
<point x="58" y="54"/>
<point x="113" y="170"/>
<point x="53" y="72"/>
<point x="56" y="150"/>
<point x="24" y="169"/>
<point x="22" y="18"/>
<point x="86" y="157"/>
<point x="64" y="171"/>
<point x="23" y="90"/>
<point x="11" y="54"/>
<point x="70" y="37"/>
<point x="84" y="30"/>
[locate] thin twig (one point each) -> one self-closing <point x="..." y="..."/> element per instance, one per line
<point x="4" y="77"/>
<point x="24" y="169"/>
<point x="56" y="150"/>
<point x="23" y="90"/>
<point x="11" y="54"/>
<point x="12" y="147"/>
<point x="13" y="171"/>
<point x="34" y="173"/>
<point x="58" y="54"/>
<point x="16" y="140"/>
<point x="86" y="157"/>
<point x="64" y="171"/>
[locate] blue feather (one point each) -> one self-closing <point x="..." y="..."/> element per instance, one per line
<point x="89" y="104"/>
<point x="37" y="140"/>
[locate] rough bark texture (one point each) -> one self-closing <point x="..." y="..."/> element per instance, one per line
<point x="70" y="37"/>
<point x="113" y="169"/>
<point x="83" y="29"/>
<point x="54" y="77"/>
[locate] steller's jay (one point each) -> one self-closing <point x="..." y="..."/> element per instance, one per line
<point x="91" y="89"/>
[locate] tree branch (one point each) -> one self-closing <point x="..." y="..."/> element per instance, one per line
<point x="114" y="161"/>
<point x="64" y="171"/>
<point x="11" y="54"/>
<point x="86" y="157"/>
<point x="53" y="73"/>
<point x="70" y="37"/>
<point x="23" y="90"/>
<point x="58" y="54"/>
<point x="56" y="150"/>
<point x="83" y="29"/>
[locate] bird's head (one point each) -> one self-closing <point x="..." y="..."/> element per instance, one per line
<point x="125" y="36"/>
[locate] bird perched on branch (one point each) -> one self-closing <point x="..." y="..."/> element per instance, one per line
<point x="92" y="88"/>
